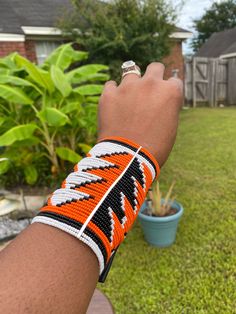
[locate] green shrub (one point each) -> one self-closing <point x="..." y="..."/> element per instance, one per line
<point x="47" y="114"/>
<point x="122" y="30"/>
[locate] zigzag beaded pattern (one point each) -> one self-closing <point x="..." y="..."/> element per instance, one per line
<point x="69" y="207"/>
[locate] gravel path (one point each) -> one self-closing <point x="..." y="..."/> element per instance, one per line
<point x="10" y="228"/>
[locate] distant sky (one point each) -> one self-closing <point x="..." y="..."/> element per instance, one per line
<point x="191" y="10"/>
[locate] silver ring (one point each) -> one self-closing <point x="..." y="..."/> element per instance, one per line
<point x="129" y="67"/>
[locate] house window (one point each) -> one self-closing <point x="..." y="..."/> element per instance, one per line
<point x="44" y="48"/>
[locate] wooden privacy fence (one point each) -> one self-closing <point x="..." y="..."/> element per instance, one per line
<point x="210" y="81"/>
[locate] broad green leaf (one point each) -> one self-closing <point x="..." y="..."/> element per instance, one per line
<point x="76" y="97"/>
<point x="15" y="95"/>
<point x="14" y="80"/>
<point x="53" y="117"/>
<point x="86" y="70"/>
<point x="50" y="100"/>
<point x="38" y="75"/>
<point x="17" y="133"/>
<point x="64" y="55"/>
<point x="90" y="107"/>
<point x="91" y="89"/>
<point x="71" y="106"/>
<point x="4" y="165"/>
<point x="4" y="71"/>
<point x="84" y="147"/>
<point x="92" y="99"/>
<point x="66" y="153"/>
<point x="79" y="55"/>
<point x="82" y="122"/>
<point x="8" y="61"/>
<point x="2" y="120"/>
<point x="60" y="81"/>
<point x="31" y="174"/>
<point x="99" y="77"/>
<point x="48" y="81"/>
<point x="33" y="140"/>
<point x="61" y="57"/>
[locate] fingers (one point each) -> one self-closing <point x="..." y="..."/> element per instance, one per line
<point x="111" y="85"/>
<point x="108" y="92"/>
<point x="155" y="70"/>
<point x="130" y="72"/>
<point x="130" y="77"/>
<point x="109" y="88"/>
<point x="177" y="90"/>
<point x="177" y="82"/>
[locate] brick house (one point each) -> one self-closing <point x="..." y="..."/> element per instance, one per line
<point x="28" y="27"/>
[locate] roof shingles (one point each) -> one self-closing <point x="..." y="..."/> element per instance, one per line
<point x="219" y="44"/>
<point x="43" y="13"/>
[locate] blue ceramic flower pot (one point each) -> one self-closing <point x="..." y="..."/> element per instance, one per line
<point x="160" y="231"/>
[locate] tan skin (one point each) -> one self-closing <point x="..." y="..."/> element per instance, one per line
<point x="45" y="270"/>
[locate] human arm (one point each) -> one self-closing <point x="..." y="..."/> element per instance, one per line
<point x="47" y="270"/>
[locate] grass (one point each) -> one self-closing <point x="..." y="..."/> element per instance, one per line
<point x="198" y="273"/>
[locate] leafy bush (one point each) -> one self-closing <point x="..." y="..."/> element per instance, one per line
<point x="121" y="30"/>
<point x="47" y="114"/>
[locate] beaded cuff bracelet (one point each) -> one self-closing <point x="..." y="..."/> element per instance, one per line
<point x="99" y="201"/>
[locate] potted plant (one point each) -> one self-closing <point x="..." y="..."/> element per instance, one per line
<point x="159" y="217"/>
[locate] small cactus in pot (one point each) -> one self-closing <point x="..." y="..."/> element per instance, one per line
<point x="158" y="206"/>
<point x="159" y="217"/>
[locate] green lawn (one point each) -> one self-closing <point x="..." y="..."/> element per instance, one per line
<point x="198" y="273"/>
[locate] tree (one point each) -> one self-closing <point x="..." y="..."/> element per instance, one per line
<point x="219" y="17"/>
<point x="121" y="30"/>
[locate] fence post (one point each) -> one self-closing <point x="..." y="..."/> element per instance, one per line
<point x="194" y="82"/>
<point x="212" y="71"/>
<point x="215" y="82"/>
<point x="231" y="89"/>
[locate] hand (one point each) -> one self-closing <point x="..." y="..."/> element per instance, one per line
<point x="144" y="110"/>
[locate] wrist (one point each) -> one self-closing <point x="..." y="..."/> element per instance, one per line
<point x="99" y="201"/>
<point x="135" y="140"/>
<point x="129" y="143"/>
